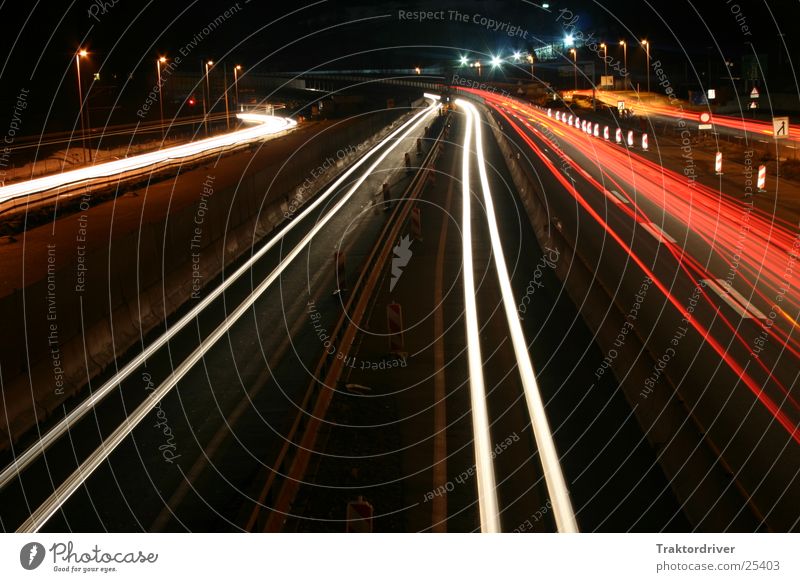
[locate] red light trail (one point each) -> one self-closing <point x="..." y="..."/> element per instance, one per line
<point x="759" y="250"/>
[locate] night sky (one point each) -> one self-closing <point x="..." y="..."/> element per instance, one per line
<point x="125" y="37"/>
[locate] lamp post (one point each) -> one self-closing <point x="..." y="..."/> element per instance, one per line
<point x="236" y="70"/>
<point x="530" y="60"/>
<point x="605" y="61"/>
<point x="646" y="46"/>
<point x="159" y="62"/>
<point x="82" y="53"/>
<point x="225" y="92"/>
<point x="625" y="55"/>
<point x="207" y="108"/>
<point x="575" y="57"/>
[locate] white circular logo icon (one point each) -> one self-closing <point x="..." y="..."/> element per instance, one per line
<point x="31" y="555"/>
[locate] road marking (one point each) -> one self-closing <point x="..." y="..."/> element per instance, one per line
<point x="657" y="232"/>
<point x="734" y="299"/>
<point x="617" y="197"/>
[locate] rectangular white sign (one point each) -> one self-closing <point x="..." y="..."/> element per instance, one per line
<point x="780" y="127"/>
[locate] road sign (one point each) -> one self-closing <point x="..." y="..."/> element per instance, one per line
<point x="607" y="80"/>
<point x="712" y="93"/>
<point x="620" y="105"/>
<point x="762" y="178"/>
<point x="705" y="117"/>
<point x="754" y="94"/>
<point x="780" y="127"/>
<point x="705" y="126"/>
<point x="605" y="133"/>
<point x="718" y="164"/>
<point x="359" y="516"/>
<point x="644" y="141"/>
<point x="618" y="135"/>
<point x="630" y="138"/>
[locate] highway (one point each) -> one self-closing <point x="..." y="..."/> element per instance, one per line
<point x="347" y="267"/>
<point x="206" y="427"/>
<point x="446" y="441"/>
<point x="726" y="314"/>
<point x="217" y="316"/>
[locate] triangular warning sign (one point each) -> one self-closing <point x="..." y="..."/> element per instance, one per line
<point x="754" y="93"/>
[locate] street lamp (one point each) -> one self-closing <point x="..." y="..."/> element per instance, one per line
<point x="160" y="61"/>
<point x="82" y="53"/>
<point x="625" y="55"/>
<point x="207" y="109"/>
<point x="646" y="46"/>
<point x="530" y="60"/>
<point x="575" y="57"/>
<point x="478" y="65"/>
<point x="463" y="60"/>
<point x="225" y="93"/>
<point x="605" y="54"/>
<point x="236" y="70"/>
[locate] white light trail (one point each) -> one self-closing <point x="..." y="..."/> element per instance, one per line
<point x="27" y="457"/>
<point x="52" y="504"/>
<point x="267" y="125"/>
<point x="487" y="491"/>
<point x="554" y="477"/>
